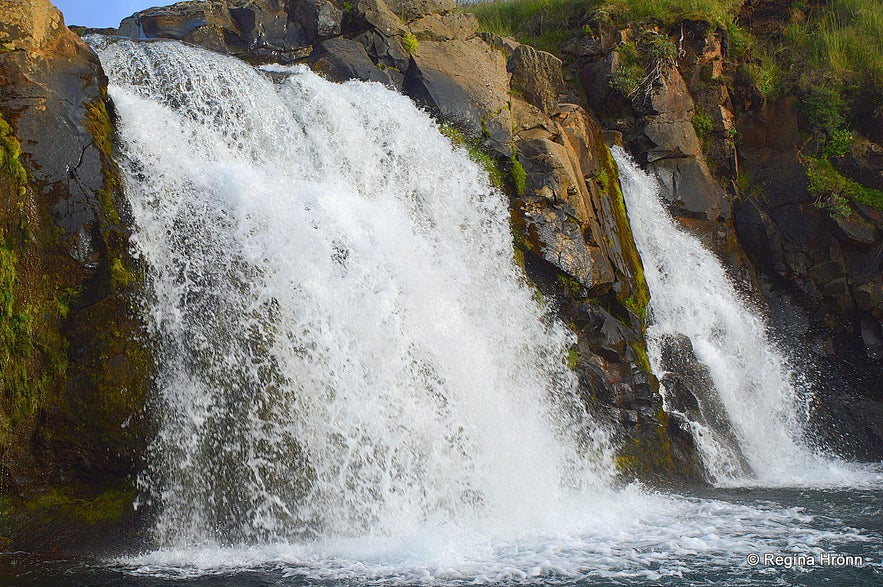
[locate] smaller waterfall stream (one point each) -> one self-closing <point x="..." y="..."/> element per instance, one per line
<point x="764" y="399"/>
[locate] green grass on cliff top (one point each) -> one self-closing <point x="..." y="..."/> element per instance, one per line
<point x="840" y="38"/>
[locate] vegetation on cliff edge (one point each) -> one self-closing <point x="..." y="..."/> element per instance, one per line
<point x="824" y="54"/>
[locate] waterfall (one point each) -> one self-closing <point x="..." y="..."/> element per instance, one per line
<point x="319" y="262"/>
<point x="355" y="384"/>
<point x="764" y="400"/>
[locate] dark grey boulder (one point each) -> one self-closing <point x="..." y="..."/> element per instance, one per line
<point x="341" y="59"/>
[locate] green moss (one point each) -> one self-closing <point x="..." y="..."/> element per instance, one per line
<point x="834" y="192"/>
<point x="637" y="308"/>
<point x="640" y="350"/>
<point x="572" y="358"/>
<point x="626" y="463"/>
<point x="110" y="506"/>
<point x="603" y="179"/>
<point x="571" y="285"/>
<point x="10" y="159"/>
<point x="99" y="126"/>
<point x="648" y="452"/>
<point x="32" y="353"/>
<point x="410" y="43"/>
<point x="519" y="176"/>
<point x="638" y="297"/>
<point x="476" y="153"/>
<point x="120" y="277"/>
<point x="76" y="409"/>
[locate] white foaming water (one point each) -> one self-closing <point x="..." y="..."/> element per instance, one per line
<point x="764" y="400"/>
<point x="355" y="383"/>
<point x="319" y="263"/>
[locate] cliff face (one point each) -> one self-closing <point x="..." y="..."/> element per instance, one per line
<point x="74" y="374"/>
<point x="787" y="211"/>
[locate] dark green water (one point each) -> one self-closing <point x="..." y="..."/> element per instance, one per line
<point x="826" y="523"/>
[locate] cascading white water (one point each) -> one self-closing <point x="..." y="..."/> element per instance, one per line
<point x="355" y="384"/>
<point x="692" y="295"/>
<point x="319" y="257"/>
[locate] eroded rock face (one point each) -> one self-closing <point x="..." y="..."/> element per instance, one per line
<point x="341" y="59"/>
<point x="828" y="267"/>
<point x="73" y="381"/>
<point x="572" y="229"/>
<point x="466" y="83"/>
<point x="410" y="10"/>
<point x="256" y="30"/>
<point x="537" y="76"/>
<point x="657" y="123"/>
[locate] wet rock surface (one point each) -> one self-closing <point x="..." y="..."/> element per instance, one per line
<point x="74" y="368"/>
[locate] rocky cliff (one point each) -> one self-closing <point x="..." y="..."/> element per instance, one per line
<point x="770" y="184"/>
<point x="73" y="372"/>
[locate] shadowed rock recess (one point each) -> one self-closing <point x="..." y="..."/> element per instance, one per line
<point x="76" y="371"/>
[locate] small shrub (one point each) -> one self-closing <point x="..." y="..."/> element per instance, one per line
<point x="838" y="143"/>
<point x="410" y="43"/>
<point x="823" y="107"/>
<point x="657" y="47"/>
<point x="703" y="124"/>
<point x="626" y="79"/>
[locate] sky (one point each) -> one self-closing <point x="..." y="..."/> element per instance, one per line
<point x="102" y="13"/>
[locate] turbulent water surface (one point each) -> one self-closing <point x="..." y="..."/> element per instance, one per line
<point x="358" y="387"/>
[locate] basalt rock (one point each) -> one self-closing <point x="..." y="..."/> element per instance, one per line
<point x="537" y="76"/>
<point x="572" y="231"/>
<point x="466" y="83"/>
<point x="208" y="24"/>
<point x="690" y="390"/>
<point x="444" y="27"/>
<point x="830" y="268"/>
<point x="74" y="368"/>
<point x="256" y="30"/>
<point x="341" y="59"/>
